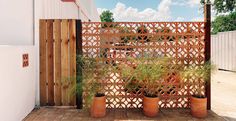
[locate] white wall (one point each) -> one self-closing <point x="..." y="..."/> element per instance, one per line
<point x="16" y="22"/>
<point x="56" y="9"/>
<point x="17" y="84"/>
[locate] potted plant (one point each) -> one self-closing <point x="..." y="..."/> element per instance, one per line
<point x="198" y="101"/>
<point x="126" y="70"/>
<point x="148" y="74"/>
<point x="93" y="75"/>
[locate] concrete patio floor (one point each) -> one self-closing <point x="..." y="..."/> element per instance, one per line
<point x="224" y="94"/>
<point x="59" y="114"/>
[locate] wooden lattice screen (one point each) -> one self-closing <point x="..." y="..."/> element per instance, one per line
<point x="57" y="61"/>
<point x="183" y="41"/>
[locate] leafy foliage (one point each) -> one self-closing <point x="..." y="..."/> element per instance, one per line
<point x="224" y="23"/>
<point x="202" y="73"/>
<point x="222" y="6"/>
<point x="93" y="74"/>
<point x="107" y="16"/>
<point x="147" y="73"/>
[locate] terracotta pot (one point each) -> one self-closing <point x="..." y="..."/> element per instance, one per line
<point x="98" y="107"/>
<point x="198" y="107"/>
<point x="150" y="106"/>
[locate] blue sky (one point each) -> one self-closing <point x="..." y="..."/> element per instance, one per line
<point x="152" y="10"/>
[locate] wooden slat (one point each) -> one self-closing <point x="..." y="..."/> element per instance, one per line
<point x="42" y="41"/>
<point x="50" y="62"/>
<point x="64" y="62"/>
<point x="57" y="61"/>
<point x="72" y="36"/>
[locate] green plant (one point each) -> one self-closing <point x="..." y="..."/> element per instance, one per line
<point x="92" y="77"/>
<point x="107" y="16"/>
<point x="147" y="73"/>
<point x="201" y="76"/>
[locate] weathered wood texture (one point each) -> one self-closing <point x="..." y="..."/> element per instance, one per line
<point x="57" y="62"/>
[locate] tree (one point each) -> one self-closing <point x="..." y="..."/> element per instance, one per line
<point x="107" y="16"/>
<point x="223" y="22"/>
<point x="222" y="6"/>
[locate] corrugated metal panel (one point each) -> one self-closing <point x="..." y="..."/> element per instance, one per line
<point x="224" y="50"/>
<point x="56" y="9"/>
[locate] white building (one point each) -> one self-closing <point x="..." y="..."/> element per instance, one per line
<point x="19" y="33"/>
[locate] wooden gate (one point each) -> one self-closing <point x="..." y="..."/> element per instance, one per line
<point x="57" y="62"/>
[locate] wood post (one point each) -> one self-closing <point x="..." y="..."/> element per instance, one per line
<point x="79" y="98"/>
<point x="207" y="19"/>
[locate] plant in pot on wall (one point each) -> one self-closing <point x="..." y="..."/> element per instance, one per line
<point x="148" y="74"/>
<point x="93" y="75"/>
<point x="198" y="101"/>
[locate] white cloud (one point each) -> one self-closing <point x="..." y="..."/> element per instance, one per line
<point x="123" y="13"/>
<point x="189" y="3"/>
<point x="198" y="19"/>
<point x="100" y="10"/>
<point x="179" y="19"/>
<point x="161" y="13"/>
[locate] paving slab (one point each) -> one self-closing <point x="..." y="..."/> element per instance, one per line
<point x="224" y="94"/>
<point x="63" y="114"/>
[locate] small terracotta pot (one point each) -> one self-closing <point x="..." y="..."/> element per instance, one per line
<point x="198" y="107"/>
<point x="150" y="106"/>
<point x="98" y="107"/>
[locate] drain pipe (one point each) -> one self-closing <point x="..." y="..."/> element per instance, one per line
<point x="81" y="10"/>
<point x="74" y="1"/>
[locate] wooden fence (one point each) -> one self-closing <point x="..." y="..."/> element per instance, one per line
<point x="224" y="50"/>
<point x="57" y="61"/>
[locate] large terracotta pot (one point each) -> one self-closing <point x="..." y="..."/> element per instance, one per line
<point x="198" y="107"/>
<point x="150" y="106"/>
<point x="98" y="107"/>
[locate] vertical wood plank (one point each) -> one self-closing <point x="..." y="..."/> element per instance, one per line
<point x="64" y="61"/>
<point x="42" y="41"/>
<point x="57" y="61"/>
<point x="72" y="36"/>
<point x="50" y="66"/>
